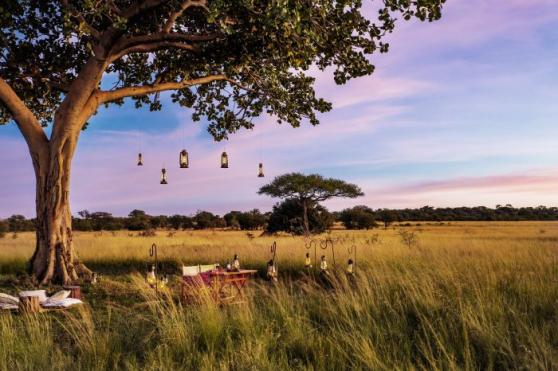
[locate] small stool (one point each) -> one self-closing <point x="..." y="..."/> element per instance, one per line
<point x="75" y="291"/>
<point x="29" y="304"/>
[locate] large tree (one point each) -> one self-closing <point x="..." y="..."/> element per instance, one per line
<point x="227" y="60"/>
<point x="309" y="190"/>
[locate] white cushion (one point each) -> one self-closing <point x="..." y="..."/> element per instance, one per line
<point x="60" y="295"/>
<point x="65" y="303"/>
<point x="40" y="293"/>
<point x="193" y="270"/>
<point x="8" y="299"/>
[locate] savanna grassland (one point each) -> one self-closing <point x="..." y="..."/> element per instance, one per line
<point x="462" y="296"/>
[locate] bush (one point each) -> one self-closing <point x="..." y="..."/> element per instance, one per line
<point x="408" y="238"/>
<point x="18" y="223"/>
<point x="138" y="220"/>
<point x="103" y="221"/>
<point x="231" y="218"/>
<point x="206" y="220"/>
<point x="251" y="220"/>
<point x="179" y="221"/>
<point x="79" y="224"/>
<point x="3" y="228"/>
<point x="147" y="233"/>
<point x="387" y="216"/>
<point x="246" y="221"/>
<point x="160" y="221"/>
<point x="358" y="217"/>
<point x="287" y="217"/>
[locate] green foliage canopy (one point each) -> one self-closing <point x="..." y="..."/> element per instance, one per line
<point x="228" y="60"/>
<point x="311" y="188"/>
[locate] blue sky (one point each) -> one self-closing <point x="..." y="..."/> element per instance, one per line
<point x="460" y="112"/>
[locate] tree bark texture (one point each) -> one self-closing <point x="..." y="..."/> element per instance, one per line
<point x="305" y="217"/>
<point x="54" y="259"/>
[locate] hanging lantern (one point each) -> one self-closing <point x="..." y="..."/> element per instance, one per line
<point x="350" y="267"/>
<point x="183" y="159"/>
<point x="164" y="176"/>
<point x="224" y="160"/>
<point x="260" y="171"/>
<point x="140" y="159"/>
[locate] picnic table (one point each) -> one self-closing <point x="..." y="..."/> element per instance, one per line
<point x="223" y="286"/>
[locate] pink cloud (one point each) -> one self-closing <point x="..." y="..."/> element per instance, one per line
<point x="505" y="183"/>
<point x="529" y="188"/>
<point x="369" y="89"/>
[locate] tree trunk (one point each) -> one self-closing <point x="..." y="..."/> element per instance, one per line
<point x="305" y="218"/>
<point x="54" y="260"/>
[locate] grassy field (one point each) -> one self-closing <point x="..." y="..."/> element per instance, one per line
<point x="466" y="296"/>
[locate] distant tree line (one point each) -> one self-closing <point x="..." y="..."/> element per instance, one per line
<point x="363" y="217"/>
<point x="286" y="216"/>
<point x="479" y="213"/>
<point x="139" y="220"/>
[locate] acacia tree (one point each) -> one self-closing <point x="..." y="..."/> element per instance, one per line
<point x="227" y="60"/>
<point x="308" y="190"/>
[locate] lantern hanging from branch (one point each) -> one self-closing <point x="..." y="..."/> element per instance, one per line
<point x="164" y="176"/>
<point x="260" y="171"/>
<point x="183" y="159"/>
<point x="224" y="160"/>
<point x="140" y="159"/>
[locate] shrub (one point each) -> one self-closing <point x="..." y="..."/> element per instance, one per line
<point x="251" y="220"/>
<point x="18" y="223"/>
<point x="3" y="228"/>
<point x="409" y="238"/>
<point x="286" y="217"/>
<point x="206" y="220"/>
<point x="358" y="217"/>
<point x="148" y="233"/>
<point x="246" y="221"/>
<point x="138" y="220"/>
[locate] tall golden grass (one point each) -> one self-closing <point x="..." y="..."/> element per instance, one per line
<point x="469" y="296"/>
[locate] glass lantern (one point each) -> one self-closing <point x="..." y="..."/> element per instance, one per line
<point x="224" y="160"/>
<point x="151" y="277"/>
<point x="350" y="267"/>
<point x="140" y="159"/>
<point x="183" y="159"/>
<point x="164" y="176"/>
<point x="260" y="171"/>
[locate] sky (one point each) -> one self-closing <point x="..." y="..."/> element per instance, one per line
<point x="460" y="112"/>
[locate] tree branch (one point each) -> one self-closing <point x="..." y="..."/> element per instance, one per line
<point x="139" y="43"/>
<point x="114" y="7"/>
<point x="151" y="48"/>
<point x="59" y="84"/>
<point x="131" y="91"/>
<point x="154" y="42"/>
<point x="27" y="122"/>
<point x="185" y="5"/>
